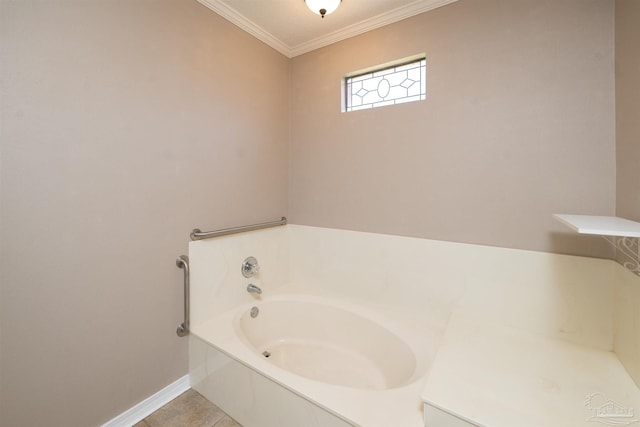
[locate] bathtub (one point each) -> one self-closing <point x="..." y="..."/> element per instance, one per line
<point x="311" y="360"/>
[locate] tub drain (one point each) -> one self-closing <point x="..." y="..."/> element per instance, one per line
<point x="266" y="353"/>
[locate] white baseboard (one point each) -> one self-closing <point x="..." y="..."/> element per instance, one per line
<point x="151" y="404"/>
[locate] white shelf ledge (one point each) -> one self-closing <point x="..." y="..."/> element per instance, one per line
<point x="600" y="225"/>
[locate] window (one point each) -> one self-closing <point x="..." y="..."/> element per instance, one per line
<point x="389" y="84"/>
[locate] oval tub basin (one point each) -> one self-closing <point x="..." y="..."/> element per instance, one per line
<point x="329" y="344"/>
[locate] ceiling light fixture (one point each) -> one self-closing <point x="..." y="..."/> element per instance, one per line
<point x="322" y="7"/>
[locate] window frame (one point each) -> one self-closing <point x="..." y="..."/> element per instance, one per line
<point x="390" y="68"/>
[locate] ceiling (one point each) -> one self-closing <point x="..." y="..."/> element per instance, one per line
<point x="292" y="29"/>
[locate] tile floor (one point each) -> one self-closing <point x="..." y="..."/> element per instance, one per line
<point x="189" y="409"/>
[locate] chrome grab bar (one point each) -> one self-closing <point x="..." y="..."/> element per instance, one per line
<point x="183" y="262"/>
<point x="197" y="234"/>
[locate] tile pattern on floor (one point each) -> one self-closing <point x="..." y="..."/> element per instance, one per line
<point x="189" y="409"/>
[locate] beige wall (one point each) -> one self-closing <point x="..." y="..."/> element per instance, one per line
<point x="518" y="124"/>
<point x="125" y="124"/>
<point x="628" y="108"/>
<point x="627" y="295"/>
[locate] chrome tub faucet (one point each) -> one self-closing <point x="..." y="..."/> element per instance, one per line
<point x="253" y="289"/>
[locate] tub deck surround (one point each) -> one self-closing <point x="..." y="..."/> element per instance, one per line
<point x="393" y="400"/>
<point x="217" y="283"/>
<point x="492" y="375"/>
<point x="561" y="296"/>
<point x="627" y="322"/>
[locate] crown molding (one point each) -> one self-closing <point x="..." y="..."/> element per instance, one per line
<point x="394" y="15"/>
<point x="233" y="16"/>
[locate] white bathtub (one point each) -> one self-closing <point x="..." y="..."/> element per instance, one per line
<point x="356" y="364"/>
<point x="492" y="307"/>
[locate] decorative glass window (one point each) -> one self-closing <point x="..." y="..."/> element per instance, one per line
<point x="403" y="81"/>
